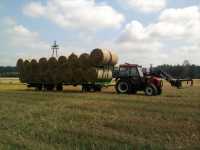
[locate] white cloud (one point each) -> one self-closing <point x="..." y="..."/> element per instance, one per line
<point x="147" y="5"/>
<point x="34" y="9"/>
<point x="21" y="37"/>
<point x="178" y="24"/>
<point x="86" y="14"/>
<point x="22" y="42"/>
<point x="173" y="38"/>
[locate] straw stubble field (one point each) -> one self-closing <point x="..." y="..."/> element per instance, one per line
<point x="75" y="120"/>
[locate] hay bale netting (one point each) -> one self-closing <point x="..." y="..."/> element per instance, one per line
<point x="43" y="66"/>
<point x="51" y="77"/>
<point x="73" y="60"/>
<point x="61" y="71"/>
<point x="35" y="73"/>
<point x="27" y="71"/>
<point x="20" y="69"/>
<point x="84" y="60"/>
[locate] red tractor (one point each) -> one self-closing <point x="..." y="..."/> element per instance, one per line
<point x="130" y="78"/>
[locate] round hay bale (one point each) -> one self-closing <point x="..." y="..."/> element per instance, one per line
<point x="52" y="62"/>
<point x="90" y="74"/>
<point x="95" y="74"/>
<point x="27" y="71"/>
<point x="62" y="63"/>
<point x="43" y="66"/>
<point x="77" y="75"/>
<point x="67" y="74"/>
<point x="114" y="58"/>
<point x="34" y="71"/>
<point x="107" y="75"/>
<point x="20" y="69"/>
<point x="43" y="62"/>
<point x="84" y="60"/>
<point x="19" y="65"/>
<point x="62" y="60"/>
<point x="73" y="60"/>
<point x="51" y="77"/>
<point x="100" y="56"/>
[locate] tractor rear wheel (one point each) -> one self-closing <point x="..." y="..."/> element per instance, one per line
<point x="123" y="87"/>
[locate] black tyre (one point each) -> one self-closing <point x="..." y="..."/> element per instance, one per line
<point x="151" y="90"/>
<point x="39" y="88"/>
<point x="86" y="88"/>
<point x="97" y="88"/>
<point x="59" y="87"/>
<point x="49" y="87"/>
<point x="155" y="89"/>
<point x="122" y="87"/>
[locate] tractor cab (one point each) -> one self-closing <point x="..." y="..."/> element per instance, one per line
<point x="130" y="78"/>
<point x="128" y="71"/>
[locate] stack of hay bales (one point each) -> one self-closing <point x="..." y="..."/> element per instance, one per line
<point x="87" y="68"/>
<point x="104" y="60"/>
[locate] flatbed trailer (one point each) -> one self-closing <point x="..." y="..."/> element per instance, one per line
<point x="86" y="86"/>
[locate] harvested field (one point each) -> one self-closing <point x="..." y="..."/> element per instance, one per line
<point x="75" y="120"/>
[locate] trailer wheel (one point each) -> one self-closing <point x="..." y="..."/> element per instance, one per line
<point x="97" y="88"/>
<point x="122" y="87"/>
<point x="49" y="87"/>
<point x="39" y="88"/>
<point x="59" y="87"/>
<point x="86" y="88"/>
<point x="151" y="90"/>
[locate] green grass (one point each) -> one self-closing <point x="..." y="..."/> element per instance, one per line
<point x="75" y="120"/>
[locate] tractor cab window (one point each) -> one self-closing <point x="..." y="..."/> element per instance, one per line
<point x="124" y="71"/>
<point x="133" y="72"/>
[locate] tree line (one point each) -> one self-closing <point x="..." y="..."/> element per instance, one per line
<point x="177" y="71"/>
<point x="181" y="71"/>
<point x="8" y="71"/>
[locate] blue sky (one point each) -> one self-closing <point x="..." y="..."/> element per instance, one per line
<point x="140" y="31"/>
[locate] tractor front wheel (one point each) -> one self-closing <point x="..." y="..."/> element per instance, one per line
<point x="151" y="90"/>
